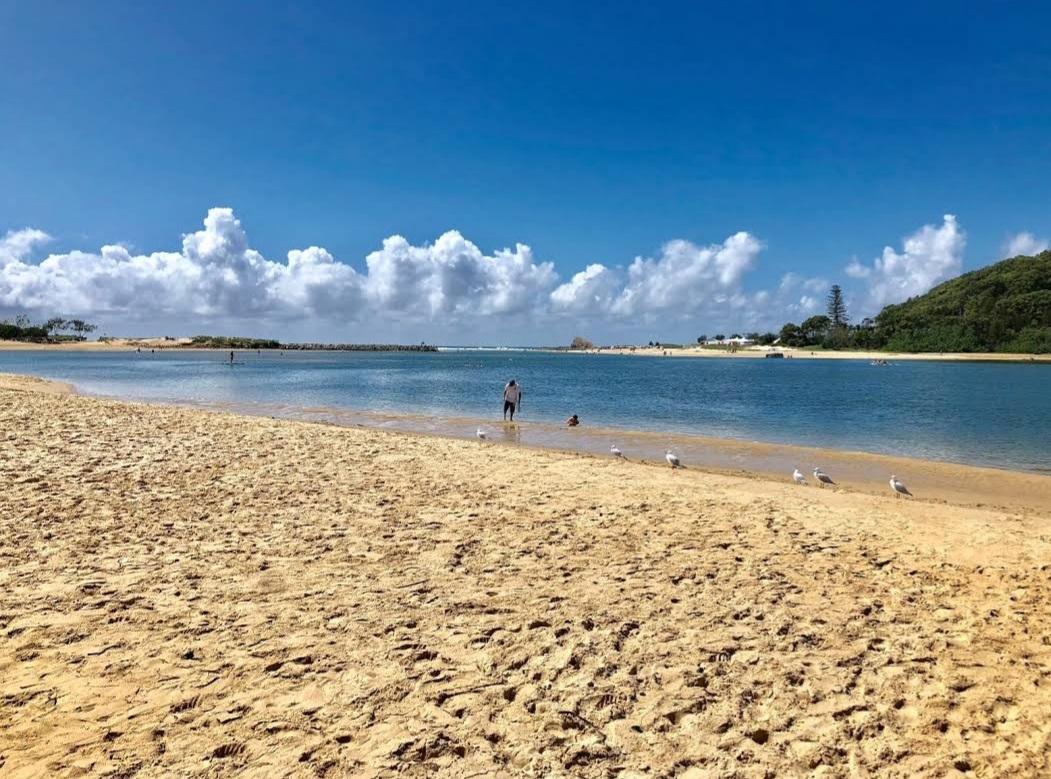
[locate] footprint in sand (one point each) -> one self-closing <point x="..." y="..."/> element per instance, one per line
<point x="228" y="750"/>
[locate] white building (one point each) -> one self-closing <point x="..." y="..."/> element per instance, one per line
<point x="739" y="341"/>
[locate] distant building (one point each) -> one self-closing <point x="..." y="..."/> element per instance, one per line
<point x="739" y="341"/>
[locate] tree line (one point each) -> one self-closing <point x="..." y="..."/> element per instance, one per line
<point x="831" y="330"/>
<point x="237" y="342"/>
<point x="1005" y="307"/>
<point x="54" y="329"/>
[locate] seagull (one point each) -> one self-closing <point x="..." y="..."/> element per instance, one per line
<point x="822" y="477"/>
<point x="798" y="477"/>
<point x="482" y="435"/>
<point x="899" y="488"/>
<point x="673" y="459"/>
<point x="613" y="450"/>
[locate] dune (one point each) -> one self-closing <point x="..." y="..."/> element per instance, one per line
<point x="188" y="593"/>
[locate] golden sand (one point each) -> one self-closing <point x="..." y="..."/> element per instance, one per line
<point x="185" y="593"/>
<point x="110" y="345"/>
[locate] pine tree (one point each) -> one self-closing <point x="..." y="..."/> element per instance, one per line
<point x="837" y="309"/>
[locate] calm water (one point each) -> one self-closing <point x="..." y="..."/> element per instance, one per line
<point x="979" y="413"/>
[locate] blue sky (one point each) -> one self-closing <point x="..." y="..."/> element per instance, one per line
<point x="594" y="135"/>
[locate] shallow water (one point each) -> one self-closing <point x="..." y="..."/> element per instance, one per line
<point x="977" y="413"/>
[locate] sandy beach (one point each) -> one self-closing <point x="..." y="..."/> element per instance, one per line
<point x="191" y="593"/>
<point x="819" y="354"/>
<point x="114" y="344"/>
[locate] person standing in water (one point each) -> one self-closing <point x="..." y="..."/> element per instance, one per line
<point x="512" y="398"/>
<point x="231" y="358"/>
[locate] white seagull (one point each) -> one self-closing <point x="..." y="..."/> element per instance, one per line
<point x="613" y="450"/>
<point x="798" y="477"/>
<point x="822" y="477"/>
<point x="482" y="435"/>
<point x="673" y="459"/>
<point x="899" y="488"/>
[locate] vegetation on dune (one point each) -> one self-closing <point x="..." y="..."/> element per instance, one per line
<point x="1005" y="307"/>
<point x="361" y="347"/>
<point x="232" y="342"/>
<point x="236" y="342"/>
<point x="52" y="331"/>
<point x="57" y="330"/>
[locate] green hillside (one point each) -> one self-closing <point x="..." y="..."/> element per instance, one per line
<point x="1005" y="307"/>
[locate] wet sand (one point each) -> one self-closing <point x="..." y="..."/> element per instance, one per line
<point x="958" y="484"/>
<point x="188" y="593"/>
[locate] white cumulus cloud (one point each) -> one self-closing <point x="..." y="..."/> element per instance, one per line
<point x="684" y="281"/>
<point x="216" y="275"/>
<point x="686" y="275"/>
<point x="798" y="297"/>
<point x="591" y="291"/>
<point x="1023" y="243"/>
<point x="930" y="255"/>
<point x="16" y="245"/>
<point x="448" y="286"/>
<point x="452" y="276"/>
<point x="857" y="271"/>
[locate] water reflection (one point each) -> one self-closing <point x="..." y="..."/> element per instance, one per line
<point x="511" y="433"/>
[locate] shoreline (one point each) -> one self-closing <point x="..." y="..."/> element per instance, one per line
<point x="960" y="484"/>
<point x="857" y="472"/>
<point x="18" y="382"/>
<point x="747" y="353"/>
<point x="184" y="345"/>
<point x="130" y="344"/>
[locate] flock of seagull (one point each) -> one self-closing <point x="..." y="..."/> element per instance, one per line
<point x="820" y="476"/>
<point x="823" y="478"/>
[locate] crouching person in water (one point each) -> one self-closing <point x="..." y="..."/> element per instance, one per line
<point x="512" y="399"/>
<point x="573" y="421"/>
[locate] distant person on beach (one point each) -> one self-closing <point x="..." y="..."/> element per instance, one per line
<point x="512" y="398"/>
<point x="231" y="358"/>
<point x="573" y="421"/>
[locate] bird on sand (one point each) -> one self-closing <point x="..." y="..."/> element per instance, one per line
<point x="797" y="477"/>
<point x="482" y="435"/>
<point x="899" y="488"/>
<point x="673" y="459"/>
<point x="613" y="450"/>
<point x="822" y="477"/>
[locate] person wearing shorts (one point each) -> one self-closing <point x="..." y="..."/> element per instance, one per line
<point x="512" y="398"/>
